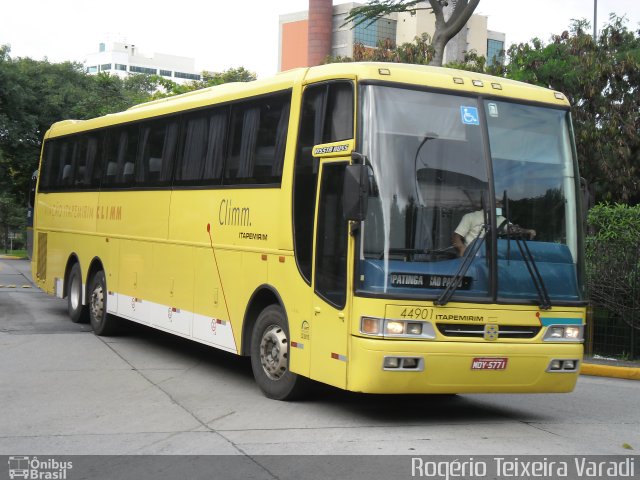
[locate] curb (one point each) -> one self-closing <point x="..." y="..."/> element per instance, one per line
<point x="10" y="257"/>
<point x="597" y="370"/>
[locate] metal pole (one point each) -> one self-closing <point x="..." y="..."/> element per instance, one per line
<point x="595" y="20"/>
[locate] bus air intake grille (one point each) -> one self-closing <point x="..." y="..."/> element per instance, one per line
<point x="41" y="266"/>
<point x="477" y="331"/>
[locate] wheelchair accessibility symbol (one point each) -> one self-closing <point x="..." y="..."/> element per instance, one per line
<point x="469" y="115"/>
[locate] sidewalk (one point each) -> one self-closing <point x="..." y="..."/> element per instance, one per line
<point x="610" y="367"/>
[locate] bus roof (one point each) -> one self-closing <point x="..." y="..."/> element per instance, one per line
<point x="418" y="75"/>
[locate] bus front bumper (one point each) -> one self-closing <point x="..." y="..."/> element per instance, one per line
<point x="460" y="367"/>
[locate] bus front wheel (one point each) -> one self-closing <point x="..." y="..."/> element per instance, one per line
<point x="77" y="311"/>
<point x="270" y="356"/>
<point x="103" y="323"/>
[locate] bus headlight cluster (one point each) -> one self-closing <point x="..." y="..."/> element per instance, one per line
<point x="564" y="333"/>
<point x="381" y="327"/>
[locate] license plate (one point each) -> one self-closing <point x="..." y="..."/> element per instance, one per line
<point x="491" y="363"/>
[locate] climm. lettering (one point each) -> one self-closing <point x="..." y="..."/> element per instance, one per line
<point x="234" y="216"/>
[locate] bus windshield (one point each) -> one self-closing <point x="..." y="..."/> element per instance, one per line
<point x="430" y="179"/>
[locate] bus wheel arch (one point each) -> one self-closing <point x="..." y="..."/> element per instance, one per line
<point x="269" y="347"/>
<point x="261" y="298"/>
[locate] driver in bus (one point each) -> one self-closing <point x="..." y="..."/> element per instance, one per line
<point x="470" y="227"/>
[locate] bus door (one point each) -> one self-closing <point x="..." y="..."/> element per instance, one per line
<point x="329" y="324"/>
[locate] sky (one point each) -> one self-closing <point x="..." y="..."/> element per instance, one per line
<point x="225" y="34"/>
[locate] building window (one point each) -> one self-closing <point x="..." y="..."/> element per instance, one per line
<point x="104" y="67"/>
<point x="148" y="71"/>
<point x="495" y="51"/>
<point x="102" y="47"/>
<point x="120" y="66"/>
<point x="92" y="69"/>
<point x="370" y="33"/>
<point x="165" y="73"/>
<point x="187" y="76"/>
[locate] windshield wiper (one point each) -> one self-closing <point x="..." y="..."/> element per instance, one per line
<point x="527" y="256"/>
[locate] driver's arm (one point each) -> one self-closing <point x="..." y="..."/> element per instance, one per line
<point x="458" y="242"/>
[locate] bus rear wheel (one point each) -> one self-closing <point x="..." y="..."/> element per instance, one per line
<point x="103" y="323"/>
<point x="270" y="356"/>
<point x="78" y="312"/>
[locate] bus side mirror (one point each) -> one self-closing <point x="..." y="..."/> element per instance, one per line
<point x="32" y="189"/>
<point x="355" y="194"/>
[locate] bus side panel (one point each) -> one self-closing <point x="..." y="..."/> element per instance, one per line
<point x="210" y="321"/>
<point x="133" y="222"/>
<point x="172" y="284"/>
<point x="135" y="283"/>
<point x="60" y="225"/>
<point x="192" y="222"/>
<point x="295" y="294"/>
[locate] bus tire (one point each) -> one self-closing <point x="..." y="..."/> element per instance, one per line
<point x="103" y="323"/>
<point x="78" y="312"/>
<point x="270" y="356"/>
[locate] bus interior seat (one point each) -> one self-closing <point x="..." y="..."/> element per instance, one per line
<point x="155" y="167"/>
<point x="66" y="174"/>
<point x="111" y="171"/>
<point x="127" y="172"/>
<point x="80" y="176"/>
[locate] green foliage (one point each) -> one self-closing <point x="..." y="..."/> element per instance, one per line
<point x="376" y="9"/>
<point x="473" y="62"/>
<point x="617" y="222"/>
<point x="209" y="79"/>
<point x="419" y="52"/>
<point x="601" y="79"/>
<point x="613" y="260"/>
<point x="35" y="94"/>
<point x="12" y="218"/>
<point x="445" y="30"/>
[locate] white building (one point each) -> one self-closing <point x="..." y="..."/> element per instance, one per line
<point x="123" y="59"/>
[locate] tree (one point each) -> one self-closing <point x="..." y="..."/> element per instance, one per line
<point x="601" y="79"/>
<point x="445" y="30"/>
<point x="209" y="79"/>
<point x="419" y="52"/>
<point x="12" y="218"/>
<point x="34" y="94"/>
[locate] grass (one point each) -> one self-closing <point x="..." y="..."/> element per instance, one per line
<point x="15" y="253"/>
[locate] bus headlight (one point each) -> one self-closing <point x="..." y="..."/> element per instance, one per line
<point x="564" y="333"/>
<point x="394" y="328"/>
<point x="380" y="327"/>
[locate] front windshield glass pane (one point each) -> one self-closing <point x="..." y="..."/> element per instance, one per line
<point x="535" y="179"/>
<point x="428" y="171"/>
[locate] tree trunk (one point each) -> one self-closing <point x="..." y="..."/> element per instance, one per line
<point x="447" y="29"/>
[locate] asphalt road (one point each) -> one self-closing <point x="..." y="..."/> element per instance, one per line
<point x="65" y="391"/>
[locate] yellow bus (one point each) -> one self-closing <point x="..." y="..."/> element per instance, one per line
<point x="315" y="221"/>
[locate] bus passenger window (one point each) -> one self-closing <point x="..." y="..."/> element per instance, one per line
<point x="49" y="159"/>
<point x="126" y="148"/>
<point x="157" y="147"/>
<point x="257" y="141"/>
<point x="64" y="176"/>
<point x="203" y="147"/>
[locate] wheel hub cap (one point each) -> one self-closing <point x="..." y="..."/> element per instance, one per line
<point x="274" y="352"/>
